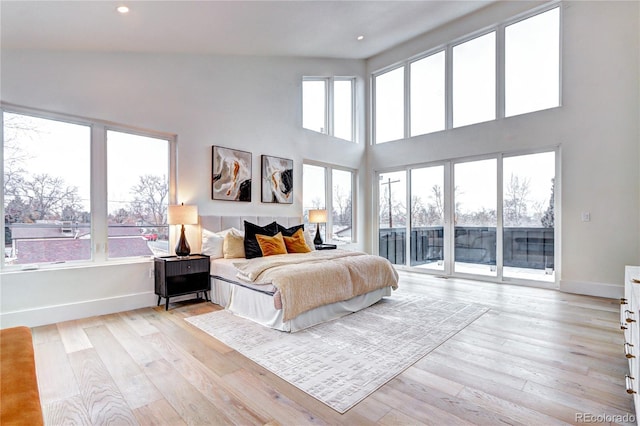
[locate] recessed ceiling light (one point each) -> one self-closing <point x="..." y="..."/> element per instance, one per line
<point x="360" y="37"/>
<point x="122" y="9"/>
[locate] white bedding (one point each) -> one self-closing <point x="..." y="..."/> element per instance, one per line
<point x="242" y="299"/>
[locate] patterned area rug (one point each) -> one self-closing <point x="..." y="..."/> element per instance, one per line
<point x="343" y="361"/>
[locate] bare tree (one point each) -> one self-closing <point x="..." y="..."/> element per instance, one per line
<point x="47" y="196"/>
<point x="17" y="128"/>
<point x="515" y="201"/>
<point x="341" y="201"/>
<point x="150" y="199"/>
<point x="548" y="218"/>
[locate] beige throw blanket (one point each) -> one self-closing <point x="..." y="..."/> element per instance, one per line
<point x="309" y="280"/>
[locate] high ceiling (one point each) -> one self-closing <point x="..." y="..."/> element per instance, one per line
<point x="325" y="29"/>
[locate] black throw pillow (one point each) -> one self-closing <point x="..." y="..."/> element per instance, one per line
<point x="288" y="232"/>
<point x="251" y="246"/>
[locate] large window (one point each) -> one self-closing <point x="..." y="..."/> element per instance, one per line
<point x="474" y="80"/>
<point x="427" y="94"/>
<point x="57" y="208"/>
<point x="511" y="69"/>
<point x="532" y="63"/>
<point x="389" y="105"/>
<point x="329" y="188"/>
<point x="328" y="106"/>
<point x="46" y="188"/>
<point x="138" y="194"/>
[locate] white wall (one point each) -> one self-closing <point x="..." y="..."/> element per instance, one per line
<point x="596" y="127"/>
<point x="248" y="103"/>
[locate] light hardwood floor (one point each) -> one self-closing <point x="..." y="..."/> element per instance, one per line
<point x="537" y="357"/>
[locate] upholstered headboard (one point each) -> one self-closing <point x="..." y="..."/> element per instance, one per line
<point x="219" y="223"/>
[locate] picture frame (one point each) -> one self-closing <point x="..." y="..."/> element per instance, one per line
<point x="231" y="174"/>
<point x="277" y="180"/>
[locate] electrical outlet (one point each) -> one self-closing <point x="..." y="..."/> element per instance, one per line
<point x="150" y="272"/>
<point x="586" y="216"/>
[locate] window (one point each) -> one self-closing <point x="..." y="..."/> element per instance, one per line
<point x="54" y="171"/>
<point x="138" y="195"/>
<point x="463" y="83"/>
<point x="329" y="188"/>
<point x="328" y="106"/>
<point x="532" y="64"/>
<point x="342" y="206"/>
<point x="427" y="92"/>
<point x="46" y="190"/>
<point x="389" y="105"/>
<point x="314" y="105"/>
<point x="474" y="81"/>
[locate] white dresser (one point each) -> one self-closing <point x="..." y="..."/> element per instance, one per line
<point x="629" y="317"/>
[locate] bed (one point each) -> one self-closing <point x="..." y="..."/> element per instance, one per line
<point x="291" y="292"/>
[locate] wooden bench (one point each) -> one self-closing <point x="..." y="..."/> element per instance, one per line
<point x="19" y="395"/>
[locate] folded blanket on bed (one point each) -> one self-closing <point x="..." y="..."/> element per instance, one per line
<point x="309" y="280"/>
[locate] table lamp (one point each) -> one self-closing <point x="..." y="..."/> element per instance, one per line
<point x="318" y="216"/>
<point x="182" y="215"/>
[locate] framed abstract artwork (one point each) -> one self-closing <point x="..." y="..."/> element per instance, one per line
<point x="277" y="180"/>
<point x="231" y="174"/>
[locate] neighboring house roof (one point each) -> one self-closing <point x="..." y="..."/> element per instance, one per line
<point x="46" y="250"/>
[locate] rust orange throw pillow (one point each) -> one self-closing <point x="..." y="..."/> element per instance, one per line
<point x="271" y="245"/>
<point x="296" y="243"/>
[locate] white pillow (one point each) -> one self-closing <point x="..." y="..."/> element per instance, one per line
<point x="212" y="244"/>
<point x="308" y="238"/>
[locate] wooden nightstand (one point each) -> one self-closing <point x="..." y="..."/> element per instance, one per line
<point x="176" y="276"/>
<point x="326" y="247"/>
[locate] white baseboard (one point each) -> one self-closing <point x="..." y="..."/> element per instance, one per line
<point x="52" y="314"/>
<point x="610" y="291"/>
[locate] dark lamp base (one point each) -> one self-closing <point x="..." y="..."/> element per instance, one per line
<point x="318" y="239"/>
<point x="182" y="248"/>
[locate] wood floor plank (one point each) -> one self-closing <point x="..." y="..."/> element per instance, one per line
<point x="135" y="387"/>
<point x="73" y="336"/>
<point x="537" y="357"/>
<point x="137" y="322"/>
<point x="56" y="380"/>
<point x="70" y="411"/>
<point x="205" y="381"/>
<point x="190" y="404"/>
<point x="158" y="413"/>
<point x="99" y="393"/>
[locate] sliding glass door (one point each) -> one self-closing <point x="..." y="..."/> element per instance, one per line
<point x="475" y="220"/>
<point x="426" y="242"/>
<point x="491" y="217"/>
<point x="528" y="212"/>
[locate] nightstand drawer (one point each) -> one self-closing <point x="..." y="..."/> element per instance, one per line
<point x="187" y="267"/>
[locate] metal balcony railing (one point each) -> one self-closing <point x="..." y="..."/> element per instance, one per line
<point x="531" y="248"/>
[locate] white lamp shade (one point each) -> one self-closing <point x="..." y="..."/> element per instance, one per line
<point x="318" y="216"/>
<point x="182" y="215"/>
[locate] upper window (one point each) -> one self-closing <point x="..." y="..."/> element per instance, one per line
<point x="328" y="106"/>
<point x="532" y="64"/>
<point x="427" y="94"/>
<point x="463" y="83"/>
<point x="474" y="81"/>
<point x="389" y="105"/>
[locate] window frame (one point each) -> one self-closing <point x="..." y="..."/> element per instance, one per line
<point x="329" y="110"/>
<point x="98" y="181"/>
<point x="328" y="185"/>
<point x="499" y="29"/>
